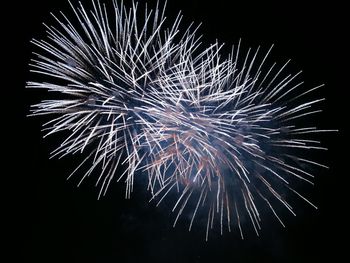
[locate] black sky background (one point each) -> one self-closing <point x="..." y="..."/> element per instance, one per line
<point x="54" y="221"/>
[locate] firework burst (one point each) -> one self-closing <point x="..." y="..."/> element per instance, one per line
<point x="221" y="133"/>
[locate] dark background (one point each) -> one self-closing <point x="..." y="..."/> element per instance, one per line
<point x="53" y="221"/>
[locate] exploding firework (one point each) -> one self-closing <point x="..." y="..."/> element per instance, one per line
<point x="221" y="134"/>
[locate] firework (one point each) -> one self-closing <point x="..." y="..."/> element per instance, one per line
<point x="222" y="134"/>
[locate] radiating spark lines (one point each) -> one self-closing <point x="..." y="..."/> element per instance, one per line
<point x="218" y="133"/>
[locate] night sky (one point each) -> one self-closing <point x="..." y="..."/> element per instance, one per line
<point x="57" y="222"/>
